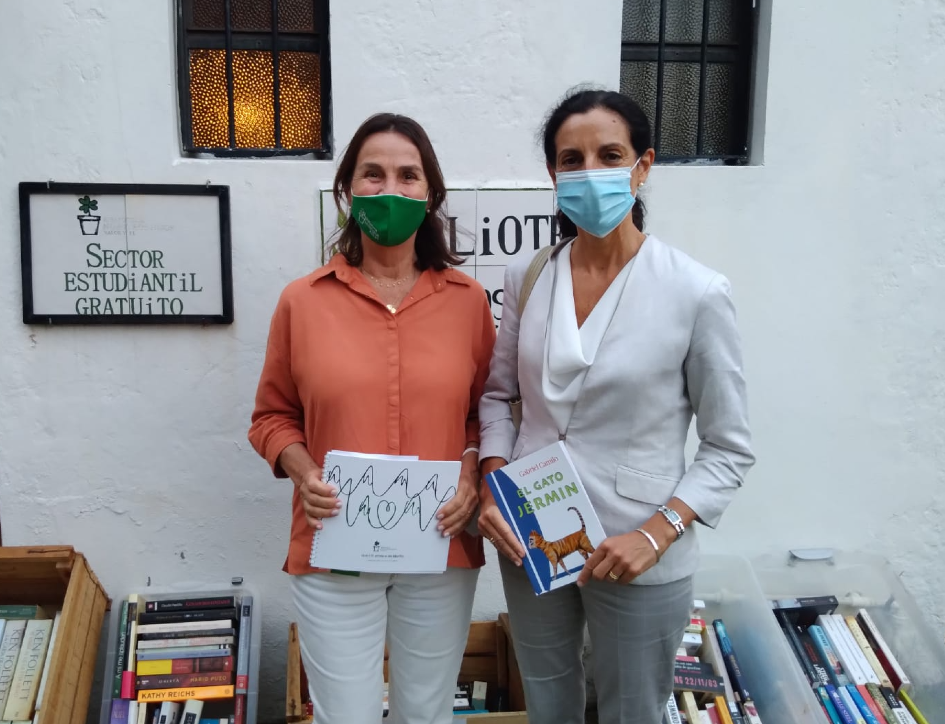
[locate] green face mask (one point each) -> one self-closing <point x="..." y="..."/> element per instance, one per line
<point x="388" y="219"/>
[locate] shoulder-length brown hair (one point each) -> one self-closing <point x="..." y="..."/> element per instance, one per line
<point x="431" y="246"/>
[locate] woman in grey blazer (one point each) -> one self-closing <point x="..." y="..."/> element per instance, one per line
<point x="623" y="338"/>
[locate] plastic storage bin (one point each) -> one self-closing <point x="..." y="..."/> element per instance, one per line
<point x="731" y="592"/>
<point x="860" y="580"/>
<point x="179" y="590"/>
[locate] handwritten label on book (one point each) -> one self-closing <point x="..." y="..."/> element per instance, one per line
<point x="387" y="522"/>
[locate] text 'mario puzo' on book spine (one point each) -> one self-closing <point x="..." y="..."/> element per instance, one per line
<point x="543" y="500"/>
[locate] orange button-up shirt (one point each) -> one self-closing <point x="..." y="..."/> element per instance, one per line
<point x="342" y="372"/>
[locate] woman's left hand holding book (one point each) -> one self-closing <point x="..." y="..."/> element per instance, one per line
<point x="319" y="500"/>
<point x="492" y="525"/>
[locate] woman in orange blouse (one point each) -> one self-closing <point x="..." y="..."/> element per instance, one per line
<point x="384" y="350"/>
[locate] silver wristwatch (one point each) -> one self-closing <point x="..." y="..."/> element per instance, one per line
<point x="672" y="517"/>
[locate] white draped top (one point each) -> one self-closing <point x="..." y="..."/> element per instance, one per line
<point x="570" y="350"/>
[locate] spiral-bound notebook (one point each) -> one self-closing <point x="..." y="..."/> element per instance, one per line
<point x="387" y="521"/>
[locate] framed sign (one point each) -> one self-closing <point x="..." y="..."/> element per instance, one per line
<point x="125" y="254"/>
<point x="488" y="227"/>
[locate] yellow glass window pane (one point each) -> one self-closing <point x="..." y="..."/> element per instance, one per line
<point x="208" y="99"/>
<point x="299" y="99"/>
<point x="253" y="108"/>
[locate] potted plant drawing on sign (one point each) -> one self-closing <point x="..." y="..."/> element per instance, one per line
<point x="87" y="221"/>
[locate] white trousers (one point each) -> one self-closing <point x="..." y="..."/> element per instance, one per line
<point x="343" y="623"/>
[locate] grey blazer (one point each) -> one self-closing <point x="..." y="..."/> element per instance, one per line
<point x="671" y="350"/>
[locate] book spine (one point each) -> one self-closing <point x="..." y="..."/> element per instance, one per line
<point x="203" y="692"/>
<point x="29" y="669"/>
<point x="856" y="653"/>
<point x="184" y="681"/>
<point x="154" y="628"/>
<point x="840" y="648"/>
<point x="169" y="712"/>
<point x="529" y="565"/>
<point x="882" y="679"/>
<point x="871" y="703"/>
<point x="193" y="708"/>
<point x="912" y="708"/>
<point x="845" y="715"/>
<point x="186" y="634"/>
<point x="127" y="677"/>
<point x="190" y="604"/>
<point x="713" y="653"/>
<point x="798" y="648"/>
<point x="119" y="711"/>
<point x="9" y="654"/>
<point x="827" y="704"/>
<point x="814" y="656"/>
<point x="239" y="709"/>
<point x="861" y="704"/>
<point x="721" y="708"/>
<point x="197" y="652"/>
<point x="731" y="662"/>
<point x="826" y="653"/>
<point x="120" y="654"/>
<point x="844" y="692"/>
<point x="672" y="711"/>
<point x="688" y="702"/>
<point x="220" y="618"/>
<point x="896" y="675"/>
<point x="48" y="659"/>
<point x="185" y="666"/>
<point x="242" y="656"/>
<point x="880" y="700"/>
<point x="17" y="612"/>
<point x="197" y="642"/>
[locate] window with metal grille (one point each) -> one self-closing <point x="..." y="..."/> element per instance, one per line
<point x="688" y="63"/>
<point x="253" y="77"/>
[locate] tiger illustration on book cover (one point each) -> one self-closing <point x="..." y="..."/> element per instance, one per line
<point x="557" y="550"/>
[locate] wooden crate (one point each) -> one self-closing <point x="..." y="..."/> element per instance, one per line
<point x="488" y="657"/>
<point x="57" y="576"/>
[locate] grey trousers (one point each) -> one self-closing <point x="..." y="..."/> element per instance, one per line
<point x="634" y="630"/>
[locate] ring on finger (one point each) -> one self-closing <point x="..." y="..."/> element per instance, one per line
<point x="613" y="576"/>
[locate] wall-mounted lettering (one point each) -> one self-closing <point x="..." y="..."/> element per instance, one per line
<point x="125" y="254"/>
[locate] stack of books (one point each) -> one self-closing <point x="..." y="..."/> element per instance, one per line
<point x="176" y="654"/>
<point x="27" y="636"/>
<point x="848" y="664"/>
<point x="708" y="687"/>
<point x="469" y="698"/>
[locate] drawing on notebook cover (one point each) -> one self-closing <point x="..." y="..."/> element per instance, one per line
<point x="384" y="506"/>
<point x="557" y="550"/>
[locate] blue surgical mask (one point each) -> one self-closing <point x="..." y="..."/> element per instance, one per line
<point x="597" y="200"/>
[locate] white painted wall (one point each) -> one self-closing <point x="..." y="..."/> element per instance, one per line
<point x="130" y="443"/>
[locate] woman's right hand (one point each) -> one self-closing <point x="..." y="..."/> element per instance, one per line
<point x="492" y="525"/>
<point x="319" y="500"/>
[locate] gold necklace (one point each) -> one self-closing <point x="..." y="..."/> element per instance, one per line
<point x="387" y="284"/>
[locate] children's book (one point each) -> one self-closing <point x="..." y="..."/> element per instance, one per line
<point x="543" y="500"/>
<point x="387" y="522"/>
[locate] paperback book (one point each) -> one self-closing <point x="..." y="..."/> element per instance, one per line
<point x="543" y="500"/>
